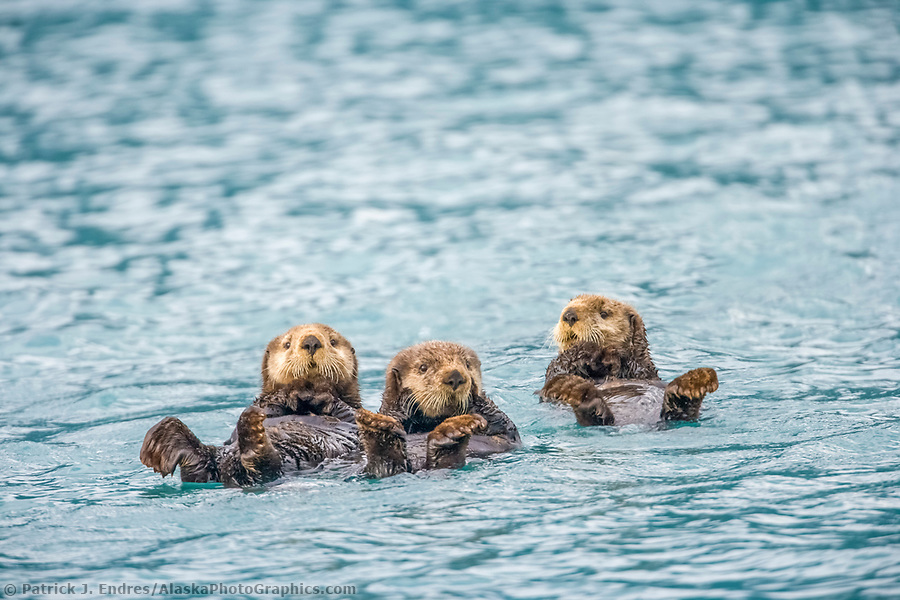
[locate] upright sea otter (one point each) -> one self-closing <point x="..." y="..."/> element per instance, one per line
<point x="309" y="393"/>
<point x="433" y="413"/>
<point x="604" y="370"/>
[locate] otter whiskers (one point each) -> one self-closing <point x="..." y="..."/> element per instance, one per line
<point x="588" y="333"/>
<point x="329" y="367"/>
<point x="435" y="403"/>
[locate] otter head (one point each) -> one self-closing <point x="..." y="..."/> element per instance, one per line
<point x="436" y="378"/>
<point x="308" y="352"/>
<point x="610" y="324"/>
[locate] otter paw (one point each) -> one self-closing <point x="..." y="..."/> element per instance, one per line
<point x="259" y="457"/>
<point x="377" y="423"/>
<point x="694" y="384"/>
<point x="595" y="362"/>
<point x="454" y="429"/>
<point x="582" y="395"/>
<point x="156" y="450"/>
<point x="309" y="401"/>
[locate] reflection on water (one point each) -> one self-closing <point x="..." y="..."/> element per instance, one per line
<point x="180" y="181"/>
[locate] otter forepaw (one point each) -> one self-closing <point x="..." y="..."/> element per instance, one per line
<point x="586" y="359"/>
<point x="309" y="401"/>
<point x="684" y="394"/>
<point x="454" y="429"/>
<point x="593" y="410"/>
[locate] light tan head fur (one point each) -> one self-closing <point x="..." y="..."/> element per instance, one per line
<point x="308" y="352"/>
<point x="612" y="325"/>
<point x="438" y="378"/>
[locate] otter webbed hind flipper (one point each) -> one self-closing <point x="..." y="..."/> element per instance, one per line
<point x="260" y="460"/>
<point x="170" y="444"/>
<point x="447" y="443"/>
<point x="685" y="394"/>
<point x="585" y="398"/>
<point x="384" y="441"/>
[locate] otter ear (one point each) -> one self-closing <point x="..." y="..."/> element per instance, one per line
<point x="640" y="364"/>
<point x="474" y="365"/>
<point x="392" y="386"/>
<point x="265" y="371"/>
<point x="355" y="363"/>
<point x="267" y="385"/>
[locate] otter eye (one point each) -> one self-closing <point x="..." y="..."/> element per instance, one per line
<point x="423" y="367"/>
<point x="468" y="364"/>
<point x="603" y="314"/>
<point x="334" y="342"/>
<point x="287" y="345"/>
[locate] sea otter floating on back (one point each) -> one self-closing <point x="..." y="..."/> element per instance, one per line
<point x="303" y="416"/>
<point x="433" y="414"/>
<point x="605" y="373"/>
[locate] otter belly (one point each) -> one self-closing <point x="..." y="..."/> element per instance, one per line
<point x="634" y="402"/>
<point x="306" y="441"/>
<point x="485" y="445"/>
<point x="479" y="446"/>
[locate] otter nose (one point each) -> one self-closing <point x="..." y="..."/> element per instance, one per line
<point x="311" y="343"/>
<point x="455" y="379"/>
<point x="570" y="317"/>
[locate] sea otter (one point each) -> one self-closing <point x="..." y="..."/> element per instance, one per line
<point x="304" y="414"/>
<point x="604" y="370"/>
<point x="433" y="413"/>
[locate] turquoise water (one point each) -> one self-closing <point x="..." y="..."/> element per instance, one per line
<point x="183" y="181"/>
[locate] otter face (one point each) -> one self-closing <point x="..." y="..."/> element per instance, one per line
<point x="439" y="378"/>
<point x="308" y="352"/>
<point x="590" y="318"/>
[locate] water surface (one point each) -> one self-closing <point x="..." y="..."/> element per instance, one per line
<point x="181" y="181"/>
